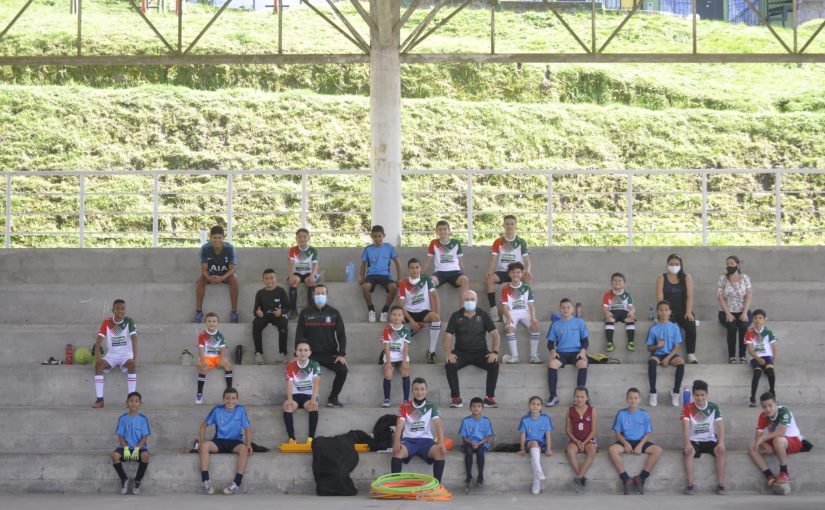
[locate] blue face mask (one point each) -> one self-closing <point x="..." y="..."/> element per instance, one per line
<point x="321" y="299"/>
<point x="470" y="306"/>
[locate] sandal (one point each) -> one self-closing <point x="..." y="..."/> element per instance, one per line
<point x="52" y="361"/>
<point x="743" y="361"/>
<point x="731" y="361"/>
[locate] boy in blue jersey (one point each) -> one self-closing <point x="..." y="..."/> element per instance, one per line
<point x="231" y="425"/>
<point x="132" y="434"/>
<point x="567" y="341"/>
<point x="218" y="264"/>
<point x="476" y="435"/>
<point x="535" y="428"/>
<point x="663" y="342"/>
<point x="633" y="429"/>
<point x="375" y="270"/>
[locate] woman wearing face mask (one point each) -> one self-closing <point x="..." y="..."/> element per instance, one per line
<point x="734" y="295"/>
<point x="676" y="287"/>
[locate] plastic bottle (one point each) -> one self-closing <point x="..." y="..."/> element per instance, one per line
<point x="685" y="395"/>
<point x="579" y="310"/>
<point x="651" y="314"/>
<point x="350" y="273"/>
<point x="69" y="354"/>
<point x="203" y="236"/>
<point x="239" y="355"/>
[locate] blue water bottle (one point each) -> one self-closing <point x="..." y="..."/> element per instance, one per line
<point x="651" y="314"/>
<point x="350" y="272"/>
<point x="685" y="396"/>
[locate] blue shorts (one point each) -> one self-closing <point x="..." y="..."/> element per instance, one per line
<point x="226" y="445"/>
<point x="568" y="358"/>
<point x="450" y="277"/>
<point x="382" y="280"/>
<point x="418" y="447"/>
<point x="542" y="444"/>
<point x="660" y="357"/>
<point x="768" y="361"/>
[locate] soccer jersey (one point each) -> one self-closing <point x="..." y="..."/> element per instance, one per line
<point x="476" y="430"/>
<point x="702" y="421"/>
<point x="228" y="424"/>
<point x="613" y="301"/>
<point x="416" y="296"/>
<point x="378" y="259"/>
<point x="218" y="263"/>
<point x="669" y="332"/>
<point x="516" y="298"/>
<point x="580" y="424"/>
<point x="418" y="419"/>
<point x="133" y="428"/>
<point x="396" y="338"/>
<point x="118" y="335"/>
<point x="211" y="343"/>
<point x="535" y="429"/>
<point x="784" y="416"/>
<point x="303" y="259"/>
<point x="570" y="335"/>
<point x="445" y="256"/>
<point x="633" y="425"/>
<point x="760" y="341"/>
<point x="509" y="251"/>
<point x="303" y="377"/>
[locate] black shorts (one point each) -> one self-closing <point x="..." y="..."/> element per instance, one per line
<point x="301" y="399"/>
<point x="503" y="276"/>
<point x="226" y="445"/>
<point x="619" y="316"/>
<point x="119" y="450"/>
<point x="634" y="444"/>
<point x="700" y="447"/>
<point x="417" y="316"/>
<point x="568" y="358"/>
<point x="304" y="276"/>
<point x="381" y="280"/>
<point x="450" y="277"/>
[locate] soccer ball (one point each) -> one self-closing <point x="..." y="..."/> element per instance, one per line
<point x="83" y="356"/>
<point x="781" y="489"/>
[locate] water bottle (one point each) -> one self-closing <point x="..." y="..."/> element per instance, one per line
<point x="69" y="354"/>
<point x="238" y="354"/>
<point x="579" y="310"/>
<point x="685" y="395"/>
<point x="651" y="314"/>
<point x="350" y="273"/>
<point x="203" y="236"/>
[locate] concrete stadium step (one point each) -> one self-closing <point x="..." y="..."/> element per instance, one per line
<point x="163" y="343"/>
<point x="175" y="302"/>
<point x="175" y="429"/>
<point x="264" y="385"/>
<point x="90" y="472"/>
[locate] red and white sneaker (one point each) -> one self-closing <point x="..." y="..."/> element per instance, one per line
<point x="783" y="478"/>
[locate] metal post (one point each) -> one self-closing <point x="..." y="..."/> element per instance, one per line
<point x="795" y="31"/>
<point x="229" y="212"/>
<point x="778" y="201"/>
<point x="82" y="217"/>
<point x="493" y="27"/>
<point x="704" y="208"/>
<point x="593" y="26"/>
<point x="179" y="5"/>
<point x="280" y="26"/>
<point x="549" y="209"/>
<point x="695" y="43"/>
<point x="155" y="188"/>
<point x="79" y="23"/>
<point x="630" y="209"/>
<point x="385" y="117"/>
<point x="8" y="210"/>
<point x="304" y="201"/>
<point x="469" y="208"/>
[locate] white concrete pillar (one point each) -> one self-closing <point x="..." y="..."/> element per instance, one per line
<point x="385" y="117"/>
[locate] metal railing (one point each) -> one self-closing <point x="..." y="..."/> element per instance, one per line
<point x="559" y="207"/>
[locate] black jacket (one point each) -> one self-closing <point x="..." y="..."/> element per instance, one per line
<point x="324" y="329"/>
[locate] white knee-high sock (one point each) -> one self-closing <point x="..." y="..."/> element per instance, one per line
<point x="131" y="382"/>
<point x="511" y="342"/>
<point x="435" y="329"/>
<point x="534" y="344"/>
<point x="99" y="386"/>
<point x="535" y="458"/>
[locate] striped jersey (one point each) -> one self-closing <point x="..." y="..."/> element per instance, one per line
<point x="416" y="296"/>
<point x="211" y="343"/>
<point x="760" y="341"/>
<point x="613" y="301"/>
<point x="118" y="335"/>
<point x="303" y="377"/>
<point x="784" y="416"/>
<point x="509" y="251"/>
<point x="303" y="259"/>
<point x="418" y="419"/>
<point x="702" y="421"/>
<point x="516" y="298"/>
<point x="445" y="256"/>
<point x="396" y="338"/>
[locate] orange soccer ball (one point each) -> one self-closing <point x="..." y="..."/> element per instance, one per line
<point x="448" y="443"/>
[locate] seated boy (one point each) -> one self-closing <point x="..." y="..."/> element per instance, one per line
<point x="232" y="426"/>
<point x="414" y="435"/>
<point x="778" y="434"/>
<point x="121" y="350"/>
<point x="617" y="305"/>
<point x="518" y="308"/>
<point x="303" y="268"/>
<point x="218" y="264"/>
<point x="761" y="345"/>
<point x="132" y="434"/>
<point x="211" y="354"/>
<point x="704" y="432"/>
<point x="420" y="302"/>
<point x="633" y="429"/>
<point x="663" y="342"/>
<point x="506" y="249"/>
<point x="303" y="380"/>
<point x="567" y="340"/>
<point x="446" y="256"/>
<point x="375" y="270"/>
<point x="271" y="307"/>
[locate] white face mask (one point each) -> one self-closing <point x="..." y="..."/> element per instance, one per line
<point x="674" y="269"/>
<point x="415" y="281"/>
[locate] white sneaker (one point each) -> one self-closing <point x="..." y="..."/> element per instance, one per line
<point x="124" y="487"/>
<point x="692" y="359"/>
<point x="281" y="358"/>
<point x="536" y="490"/>
<point x="674" y="399"/>
<point x="232" y="489"/>
<point x="494" y="314"/>
<point x="535" y="359"/>
<point x="510" y="360"/>
<point x="384" y="317"/>
<point x="259" y="358"/>
<point x="199" y="399"/>
<point x="540" y="476"/>
<point x="135" y="487"/>
<point x="371" y="316"/>
<point x="207" y="487"/>
<point x="653" y="400"/>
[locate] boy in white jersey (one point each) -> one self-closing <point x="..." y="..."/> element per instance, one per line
<point x="303" y="380"/>
<point x="419" y="299"/>
<point x="517" y="307"/>
<point x="211" y="354"/>
<point x="704" y="432"/>
<point x="776" y="433"/>
<point x="395" y="354"/>
<point x="761" y="345"/>
<point x="446" y="256"/>
<point x="506" y="249"/>
<point x="303" y="267"/>
<point x="120" y="334"/>
<point x="414" y="434"/>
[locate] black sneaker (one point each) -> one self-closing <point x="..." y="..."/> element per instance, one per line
<point x="640" y="484"/>
<point x="751" y="402"/>
<point x="333" y="402"/>
<point x="479" y="481"/>
<point x="626" y="485"/>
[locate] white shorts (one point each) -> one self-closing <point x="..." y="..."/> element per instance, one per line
<point x="519" y="316"/>
<point x="117" y="360"/>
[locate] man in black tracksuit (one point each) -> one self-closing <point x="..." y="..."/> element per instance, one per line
<point x="323" y="326"/>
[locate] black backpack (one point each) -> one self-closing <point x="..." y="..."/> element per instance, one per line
<point x="383" y="432"/>
<point x="333" y="459"/>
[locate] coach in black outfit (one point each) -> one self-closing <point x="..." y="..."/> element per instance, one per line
<point x="469" y="326"/>
<point x="323" y="326"/>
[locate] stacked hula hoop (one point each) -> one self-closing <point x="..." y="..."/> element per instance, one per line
<point x="412" y="486"/>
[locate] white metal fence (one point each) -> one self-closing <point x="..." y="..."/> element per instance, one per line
<point x="559" y="207"/>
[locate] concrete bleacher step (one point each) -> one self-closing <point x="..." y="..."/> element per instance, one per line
<point x="170" y="472"/>
<point x="264" y="385"/>
<point x="163" y="343"/>
<point x="175" y="428"/>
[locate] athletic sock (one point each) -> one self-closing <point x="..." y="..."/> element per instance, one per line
<point x="131" y="382"/>
<point x="680" y="374"/>
<point x="238" y="479"/>
<point x="768" y="473"/>
<point x="119" y="470"/>
<point x="293" y="297"/>
<point x="290" y="426"/>
<point x="480" y="461"/>
<point x="771" y="379"/>
<point x="644" y="474"/>
<point x="435" y="330"/>
<point x="511" y="342"/>
<point x="783" y="468"/>
<point x="313" y="423"/>
<point x="552" y="379"/>
<point x="651" y="374"/>
<point x="141" y="470"/>
<point x="535" y="460"/>
<point x="581" y="377"/>
<point x="405" y="383"/>
<point x="371" y="308"/>
<point x="228" y="376"/>
<point x="608" y="332"/>
<point x="438" y="469"/>
<point x="204" y="476"/>
<point x="395" y="465"/>
<point x="534" y="343"/>
<point x="99" y="386"/>
<point x="201" y="382"/>
<point x="757" y="374"/>
<point x="624" y="476"/>
<point x="387" y="389"/>
<point x="385" y="309"/>
<point x="491" y="298"/>
<point x="630" y="329"/>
